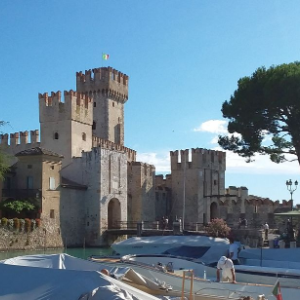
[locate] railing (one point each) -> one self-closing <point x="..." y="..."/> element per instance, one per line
<point x="20" y="193"/>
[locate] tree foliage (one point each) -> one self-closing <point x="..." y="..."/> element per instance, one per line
<point x="18" y="206"/>
<point x="265" y="105"/>
<point x="217" y="228"/>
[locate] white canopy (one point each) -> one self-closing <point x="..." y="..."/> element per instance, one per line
<point x="61" y="276"/>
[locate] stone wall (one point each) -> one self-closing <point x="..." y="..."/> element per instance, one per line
<point x="141" y="192"/>
<point x="73" y="217"/>
<point x="47" y="236"/>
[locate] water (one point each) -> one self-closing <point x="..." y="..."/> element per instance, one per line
<point x="77" y="252"/>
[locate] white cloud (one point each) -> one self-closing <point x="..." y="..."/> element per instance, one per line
<point x="213" y="126"/>
<point x="161" y="161"/>
<point x="217" y="127"/>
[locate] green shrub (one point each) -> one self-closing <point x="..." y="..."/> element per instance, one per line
<point x="4" y="222"/>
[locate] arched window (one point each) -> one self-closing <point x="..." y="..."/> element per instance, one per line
<point x="56" y="136"/>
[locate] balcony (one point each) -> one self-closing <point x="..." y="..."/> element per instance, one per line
<point x="20" y="193"/>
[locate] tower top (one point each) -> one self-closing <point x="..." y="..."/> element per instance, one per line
<point x="105" y="80"/>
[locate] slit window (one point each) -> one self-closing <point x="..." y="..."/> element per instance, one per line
<point x="56" y="136"/>
<point x="52" y="183"/>
<point x="29" y="182"/>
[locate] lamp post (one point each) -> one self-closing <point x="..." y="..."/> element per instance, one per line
<point x="291" y="189"/>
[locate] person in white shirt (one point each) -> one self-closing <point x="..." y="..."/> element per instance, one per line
<point x="266" y="228"/>
<point x="233" y="252"/>
<point x="227" y="267"/>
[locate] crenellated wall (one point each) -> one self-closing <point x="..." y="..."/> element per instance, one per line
<point x="66" y="126"/>
<point x="76" y="106"/>
<point x="105" y="144"/>
<point x="198" y="180"/>
<point x="106" y="81"/>
<point x="19" y="141"/>
<point x="200" y="158"/>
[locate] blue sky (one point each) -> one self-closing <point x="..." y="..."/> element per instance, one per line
<point x="183" y="59"/>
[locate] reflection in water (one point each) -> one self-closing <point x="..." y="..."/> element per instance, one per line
<point x="77" y="252"/>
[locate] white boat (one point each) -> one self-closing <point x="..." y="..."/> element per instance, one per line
<point x="61" y="276"/>
<point x="244" y="273"/>
<point x="204" y="247"/>
<point x="204" y="283"/>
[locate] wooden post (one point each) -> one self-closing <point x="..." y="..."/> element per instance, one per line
<point x="192" y="284"/>
<point x="182" y="291"/>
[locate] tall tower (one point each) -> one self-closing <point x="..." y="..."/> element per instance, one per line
<point x="109" y="90"/>
<point x="66" y="127"/>
<point x="197" y="184"/>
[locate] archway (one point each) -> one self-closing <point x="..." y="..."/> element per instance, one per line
<point x="114" y="214"/>
<point x="213" y="211"/>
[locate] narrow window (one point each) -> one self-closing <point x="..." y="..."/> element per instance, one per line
<point x="83" y="136"/>
<point x="255" y="209"/>
<point x="95" y="104"/>
<point x="7" y="183"/>
<point x="52" y="183"/>
<point x="29" y="182"/>
<point x="215" y="182"/>
<point x="113" y="104"/>
<point x="56" y="136"/>
<point x="94" y="125"/>
<point x="52" y="213"/>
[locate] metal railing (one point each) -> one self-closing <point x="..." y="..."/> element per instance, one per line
<point x="20" y="193"/>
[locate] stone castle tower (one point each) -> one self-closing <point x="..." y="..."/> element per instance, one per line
<point x="66" y="126"/>
<point x="86" y="128"/>
<point x="197" y="183"/>
<point x="109" y="90"/>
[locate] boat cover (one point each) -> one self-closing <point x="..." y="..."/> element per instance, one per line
<point x="60" y="277"/>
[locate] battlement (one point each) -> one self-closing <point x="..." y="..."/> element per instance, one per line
<point x="19" y="141"/>
<point x="145" y="168"/>
<point x="76" y="106"/>
<point x="160" y="181"/>
<point x="200" y="158"/>
<point x="105" y="144"/>
<point x="107" y="82"/>
<point x="19" y="138"/>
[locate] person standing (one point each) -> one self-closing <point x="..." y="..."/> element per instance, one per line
<point x="233" y="251"/>
<point x="227" y="267"/>
<point x="266" y="228"/>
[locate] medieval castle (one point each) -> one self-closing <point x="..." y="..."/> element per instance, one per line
<point x="86" y="179"/>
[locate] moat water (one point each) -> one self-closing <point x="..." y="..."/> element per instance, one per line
<point x="76" y="252"/>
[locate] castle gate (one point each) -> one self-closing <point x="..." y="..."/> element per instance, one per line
<point x="213" y="211"/>
<point x="114" y="213"/>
